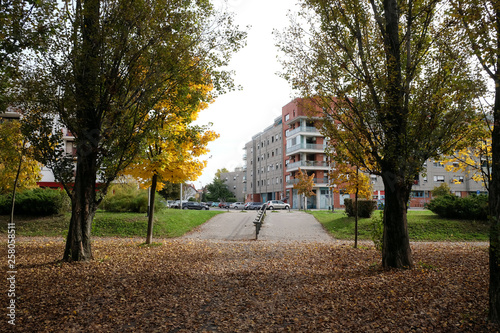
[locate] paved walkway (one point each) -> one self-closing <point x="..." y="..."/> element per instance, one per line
<point x="277" y="226"/>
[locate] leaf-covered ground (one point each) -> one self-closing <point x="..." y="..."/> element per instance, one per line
<point x="255" y="286"/>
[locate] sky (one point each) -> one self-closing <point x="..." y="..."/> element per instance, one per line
<point x="239" y="115"/>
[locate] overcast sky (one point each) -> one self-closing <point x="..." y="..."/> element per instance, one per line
<point x="239" y="115"/>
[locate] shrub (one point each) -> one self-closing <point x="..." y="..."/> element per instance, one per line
<point x="365" y="207"/>
<point x="37" y="202"/>
<point x="128" y="198"/>
<point x="443" y="189"/>
<point x="377" y="233"/>
<point x="473" y="207"/>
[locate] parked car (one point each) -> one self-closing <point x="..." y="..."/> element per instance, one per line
<point x="223" y="205"/>
<point x="254" y="205"/>
<point x="215" y="204"/>
<point x="176" y="204"/>
<point x="277" y="204"/>
<point x="237" y="205"/>
<point x="194" y="205"/>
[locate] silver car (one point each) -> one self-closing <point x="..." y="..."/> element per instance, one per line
<point x="277" y="204"/>
<point x="237" y="205"/>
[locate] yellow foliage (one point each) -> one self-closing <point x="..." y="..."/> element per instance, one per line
<point x="174" y="147"/>
<point x="349" y="179"/>
<point x="12" y="148"/>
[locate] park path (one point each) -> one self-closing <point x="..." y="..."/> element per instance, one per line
<point x="277" y="226"/>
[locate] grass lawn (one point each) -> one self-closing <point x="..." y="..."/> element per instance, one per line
<point x="168" y="223"/>
<point x="423" y="225"/>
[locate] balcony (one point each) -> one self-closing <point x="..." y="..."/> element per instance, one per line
<point x="309" y="147"/>
<point x="317" y="182"/>
<point x="307" y="129"/>
<point x="311" y="165"/>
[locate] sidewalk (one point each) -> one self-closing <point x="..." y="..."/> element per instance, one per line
<point x="278" y="226"/>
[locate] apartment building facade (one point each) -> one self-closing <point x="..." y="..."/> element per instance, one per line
<point x="264" y="164"/>
<point x="305" y="149"/>
<point x="273" y="159"/>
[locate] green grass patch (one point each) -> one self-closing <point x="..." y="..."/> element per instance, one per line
<point x="423" y="225"/>
<point x="168" y="223"/>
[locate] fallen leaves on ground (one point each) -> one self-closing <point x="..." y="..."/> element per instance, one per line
<point x="255" y="286"/>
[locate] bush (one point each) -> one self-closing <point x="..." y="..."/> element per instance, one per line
<point x="128" y="198"/>
<point x="37" y="202"/>
<point x="365" y="207"/>
<point x="473" y="207"/>
<point x="377" y="234"/>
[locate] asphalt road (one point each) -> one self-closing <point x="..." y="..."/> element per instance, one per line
<point x="277" y="226"/>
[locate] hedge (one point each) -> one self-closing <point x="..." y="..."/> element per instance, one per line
<point x="365" y="207"/>
<point x="473" y="207"/>
<point x="36" y="202"/>
<point x="128" y="199"/>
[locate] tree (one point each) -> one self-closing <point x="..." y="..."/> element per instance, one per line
<point x="393" y="86"/>
<point x="17" y="169"/>
<point x="217" y="190"/>
<point x="441" y="190"/>
<point x="349" y="179"/>
<point x="481" y="25"/>
<point x="112" y="62"/>
<point x="170" y="191"/>
<point x="173" y="145"/>
<point x="304" y="185"/>
<point x="219" y="171"/>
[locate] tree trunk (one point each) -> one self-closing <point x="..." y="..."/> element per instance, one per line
<point x="494" y="202"/>
<point x="396" y="252"/>
<point x="356" y="210"/>
<point x="13" y="201"/>
<point x="83" y="208"/>
<point x="87" y="131"/>
<point x="149" y="237"/>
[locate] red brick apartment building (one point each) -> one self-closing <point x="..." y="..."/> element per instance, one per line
<point x="274" y="156"/>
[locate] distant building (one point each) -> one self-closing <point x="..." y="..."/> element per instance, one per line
<point x="235" y="182"/>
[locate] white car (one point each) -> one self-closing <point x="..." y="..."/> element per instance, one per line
<point x="277" y="204"/>
<point x="237" y="205"/>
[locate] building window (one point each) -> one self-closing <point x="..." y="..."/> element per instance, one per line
<point x="458" y="179"/>
<point x="419" y="194"/>
<point x="439" y="179"/>
<point x="287" y="117"/>
<point x="437" y="164"/>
